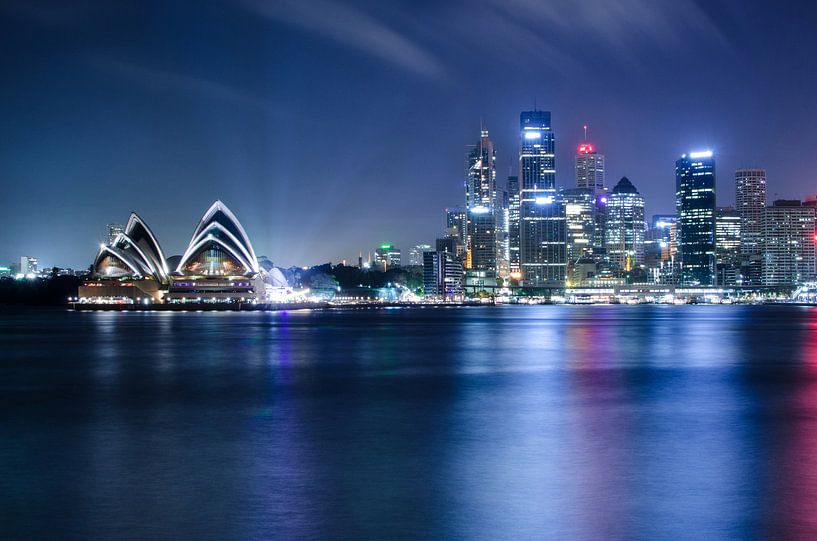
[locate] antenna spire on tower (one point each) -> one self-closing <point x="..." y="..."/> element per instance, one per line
<point x="585" y="133"/>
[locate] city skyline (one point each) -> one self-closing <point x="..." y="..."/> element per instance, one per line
<point x="134" y="112"/>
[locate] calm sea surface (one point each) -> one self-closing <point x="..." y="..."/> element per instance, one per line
<point x="551" y="422"/>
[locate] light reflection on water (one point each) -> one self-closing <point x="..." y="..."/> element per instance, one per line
<point x="612" y="422"/>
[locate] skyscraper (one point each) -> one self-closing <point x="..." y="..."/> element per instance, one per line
<point x="789" y="243"/>
<point x="513" y="226"/>
<point x="541" y="214"/>
<point x="625" y="226"/>
<point x="750" y="203"/>
<point x="483" y="238"/>
<point x="416" y="254"/>
<point x="442" y="275"/>
<point x="589" y="168"/>
<point x="455" y="222"/>
<point x="695" y="202"/>
<point x="727" y="245"/>
<point x="580" y="223"/>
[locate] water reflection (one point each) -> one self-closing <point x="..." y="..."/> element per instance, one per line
<point x="629" y="422"/>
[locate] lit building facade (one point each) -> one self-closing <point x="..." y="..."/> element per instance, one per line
<point x="455" y="223"/>
<point x="451" y="244"/>
<point x="28" y="265"/>
<point x="580" y="223"/>
<point x="416" y="254"/>
<point x="789" y="244"/>
<point x="386" y="257"/>
<point x="625" y="226"/>
<point x="727" y="246"/>
<point x="218" y="265"/>
<point x="442" y="275"/>
<point x="484" y="237"/>
<point x="750" y="203"/>
<point x="513" y="227"/>
<point x="695" y="204"/>
<point x="589" y="168"/>
<point x="542" y="230"/>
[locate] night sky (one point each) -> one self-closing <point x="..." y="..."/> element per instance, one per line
<point x="330" y="127"/>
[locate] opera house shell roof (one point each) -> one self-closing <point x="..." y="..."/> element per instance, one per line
<point x="219" y="247"/>
<point x="134" y="253"/>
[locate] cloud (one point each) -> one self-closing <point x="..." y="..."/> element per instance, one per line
<point x="352" y="28"/>
<point x="158" y="80"/>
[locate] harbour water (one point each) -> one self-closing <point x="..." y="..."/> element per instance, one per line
<point x="496" y="422"/>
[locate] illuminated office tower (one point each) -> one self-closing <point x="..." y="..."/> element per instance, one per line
<point x="442" y="275"/>
<point x="455" y="222"/>
<point x="580" y="221"/>
<point x="483" y="214"/>
<point x="750" y="202"/>
<point x="28" y="265"/>
<point x="513" y="226"/>
<point x="695" y="202"/>
<point x="503" y="231"/>
<point x="114" y="230"/>
<point x="542" y="232"/>
<point x="727" y="246"/>
<point x="589" y="168"/>
<point x="625" y="226"/>
<point x="789" y="243"/>
<point x="416" y="254"/>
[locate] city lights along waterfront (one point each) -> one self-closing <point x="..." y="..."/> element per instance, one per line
<point x="357" y="270"/>
<point x="521" y="241"/>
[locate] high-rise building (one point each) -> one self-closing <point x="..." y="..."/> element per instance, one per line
<point x="386" y="257"/>
<point x="542" y="231"/>
<point x="442" y="275"/>
<point x="599" y="233"/>
<point x="625" y="226"/>
<point x="750" y="202"/>
<point x="455" y="222"/>
<point x="114" y="230"/>
<point x="662" y="233"/>
<point x="483" y="210"/>
<point x="28" y="265"/>
<point x="695" y="202"/>
<point x="727" y="246"/>
<point x="504" y="234"/>
<point x="452" y="245"/>
<point x="580" y="220"/>
<point x="789" y="243"/>
<point x="416" y="254"/>
<point x="513" y="227"/>
<point x="589" y="168"/>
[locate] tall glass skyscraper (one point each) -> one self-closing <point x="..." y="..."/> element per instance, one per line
<point x="589" y="168"/>
<point x="625" y="226"/>
<point x="455" y="223"/>
<point x="513" y="226"/>
<point x="580" y="220"/>
<point x="483" y="210"/>
<point x="750" y="203"/>
<point x="695" y="203"/>
<point x="542" y="249"/>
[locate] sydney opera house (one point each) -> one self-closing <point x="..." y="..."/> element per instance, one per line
<point x="219" y="265"/>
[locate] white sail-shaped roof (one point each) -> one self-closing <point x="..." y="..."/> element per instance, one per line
<point x="219" y="246"/>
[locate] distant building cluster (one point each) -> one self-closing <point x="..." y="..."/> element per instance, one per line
<point x="529" y="233"/>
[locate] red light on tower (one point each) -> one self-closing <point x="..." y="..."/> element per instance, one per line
<point x="586" y="148"/>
